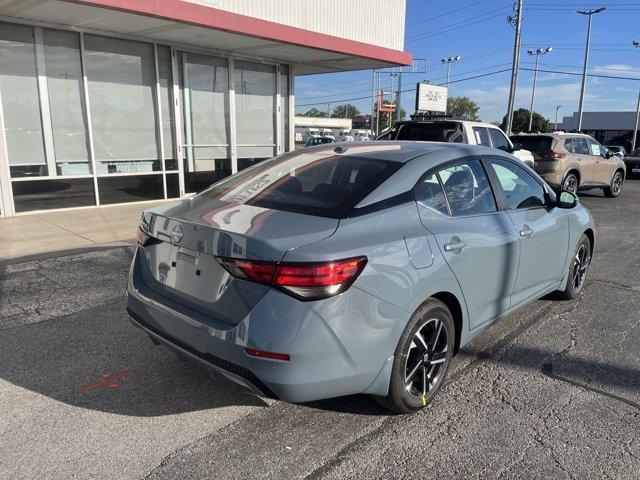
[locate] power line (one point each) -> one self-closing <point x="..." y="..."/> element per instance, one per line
<point x="461" y="24"/>
<point x="405" y="91"/>
<point x="445" y="14"/>
<point x="612" y="77"/>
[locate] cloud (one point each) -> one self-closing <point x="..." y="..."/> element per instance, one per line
<point x="620" y="69"/>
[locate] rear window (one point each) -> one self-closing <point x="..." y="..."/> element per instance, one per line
<point x="534" y="143"/>
<point x="431" y="132"/>
<point x="315" y="183"/>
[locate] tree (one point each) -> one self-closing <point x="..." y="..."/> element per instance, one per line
<point x="314" y="112"/>
<point x="463" y="107"/>
<point x="521" y="122"/>
<point x="345" y="111"/>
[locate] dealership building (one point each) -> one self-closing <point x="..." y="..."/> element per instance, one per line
<point x="107" y="102"/>
<point x="609" y="128"/>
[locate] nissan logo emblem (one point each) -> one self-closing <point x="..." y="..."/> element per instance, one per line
<point x="176" y="233"/>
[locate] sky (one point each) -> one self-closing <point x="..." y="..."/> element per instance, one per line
<point x="479" y="32"/>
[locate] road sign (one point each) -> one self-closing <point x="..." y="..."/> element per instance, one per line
<point x="432" y="98"/>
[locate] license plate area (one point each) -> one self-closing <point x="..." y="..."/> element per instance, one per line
<point x="185" y="272"/>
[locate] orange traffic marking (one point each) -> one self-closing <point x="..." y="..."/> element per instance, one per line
<point x="108" y="380"/>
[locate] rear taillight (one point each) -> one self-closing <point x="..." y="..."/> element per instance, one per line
<point x="305" y="281"/>
<point x="551" y="155"/>
<point x="142" y="237"/>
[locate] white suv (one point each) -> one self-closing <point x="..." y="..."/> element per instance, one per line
<point x="451" y="130"/>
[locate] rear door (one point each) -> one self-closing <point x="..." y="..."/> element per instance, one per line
<point x="586" y="160"/>
<point x="478" y="242"/>
<point x="543" y="232"/>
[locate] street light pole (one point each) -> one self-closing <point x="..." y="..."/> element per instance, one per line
<point x="537" y="53"/>
<point x="589" y="13"/>
<point x="449" y="61"/>
<point x="636" y="43"/>
<point x="555" y="124"/>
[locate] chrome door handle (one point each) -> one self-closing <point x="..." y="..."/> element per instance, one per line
<point x="526" y="232"/>
<point x="453" y="246"/>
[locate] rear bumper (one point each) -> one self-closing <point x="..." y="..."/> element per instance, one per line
<point x="335" y="347"/>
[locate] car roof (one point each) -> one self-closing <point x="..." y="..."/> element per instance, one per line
<point x="551" y="134"/>
<point x="399" y="150"/>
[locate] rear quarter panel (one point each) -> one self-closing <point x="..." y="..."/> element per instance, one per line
<point x="389" y="274"/>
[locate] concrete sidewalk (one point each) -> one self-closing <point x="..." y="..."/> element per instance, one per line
<point x="47" y="232"/>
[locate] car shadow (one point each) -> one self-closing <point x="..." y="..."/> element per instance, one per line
<point x="96" y="359"/>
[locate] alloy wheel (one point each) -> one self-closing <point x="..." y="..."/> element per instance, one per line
<point x="580" y="265"/>
<point x="617" y="184"/>
<point x="571" y="183"/>
<point x="426" y="358"/>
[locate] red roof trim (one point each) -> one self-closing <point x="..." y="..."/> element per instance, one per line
<point x="209" y="17"/>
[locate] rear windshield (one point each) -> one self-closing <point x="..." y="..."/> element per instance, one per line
<point x="429" y="132"/>
<point x="534" y="143"/>
<point x="314" y="183"/>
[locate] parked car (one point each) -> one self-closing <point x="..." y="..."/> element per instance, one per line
<point x="450" y="130"/>
<point x="339" y="270"/>
<point x="632" y="162"/>
<point x="313" y="141"/>
<point x="574" y="161"/>
<point x="617" y="150"/>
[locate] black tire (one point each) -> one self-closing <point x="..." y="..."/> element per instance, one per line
<point x="614" y="189"/>
<point x="570" y="183"/>
<point x="581" y="261"/>
<point x="432" y="319"/>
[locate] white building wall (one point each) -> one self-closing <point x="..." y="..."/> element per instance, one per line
<point x="375" y="22"/>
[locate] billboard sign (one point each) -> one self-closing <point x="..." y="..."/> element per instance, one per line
<point x="431" y="98"/>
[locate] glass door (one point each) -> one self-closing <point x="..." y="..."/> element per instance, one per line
<point x="205" y="153"/>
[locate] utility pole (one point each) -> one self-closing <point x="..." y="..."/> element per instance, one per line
<point x="589" y="13"/>
<point x="398" y="95"/>
<point x="373" y="98"/>
<point x="555" y="124"/>
<point x="636" y="43"/>
<point x="537" y="53"/>
<point x="517" y="21"/>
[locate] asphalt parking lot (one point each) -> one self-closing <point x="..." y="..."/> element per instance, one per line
<point x="550" y="392"/>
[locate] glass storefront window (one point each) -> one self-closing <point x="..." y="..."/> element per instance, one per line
<point x="21" y="101"/>
<point x="30" y="195"/>
<point x="205" y="95"/>
<point x="130" y="106"/>
<point x="65" y="94"/>
<point x="121" y="77"/>
<point x="255" y="89"/>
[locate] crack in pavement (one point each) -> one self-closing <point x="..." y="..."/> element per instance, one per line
<point x="547" y="369"/>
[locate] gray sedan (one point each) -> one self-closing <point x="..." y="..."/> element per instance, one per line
<point x="352" y="268"/>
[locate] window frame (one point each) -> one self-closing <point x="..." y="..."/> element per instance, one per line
<point x="499" y="200"/>
<point x="492" y="172"/>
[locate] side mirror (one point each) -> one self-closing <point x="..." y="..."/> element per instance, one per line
<point x="566" y="199"/>
<point x="517" y="146"/>
<point x="608" y="153"/>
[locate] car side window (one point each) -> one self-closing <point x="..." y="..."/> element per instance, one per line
<point x="467" y="188"/>
<point x="581" y="147"/>
<point x="521" y="190"/>
<point x="430" y="193"/>
<point x="482" y="136"/>
<point x="595" y="148"/>
<point x="498" y="139"/>
<point x="570" y="145"/>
